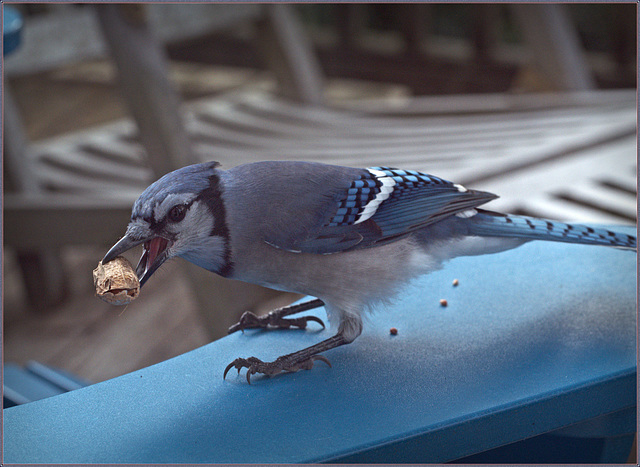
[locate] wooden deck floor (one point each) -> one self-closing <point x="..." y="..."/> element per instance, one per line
<point x="84" y="335"/>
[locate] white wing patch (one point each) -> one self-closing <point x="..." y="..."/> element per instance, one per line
<point x="466" y="214"/>
<point x="385" y="191"/>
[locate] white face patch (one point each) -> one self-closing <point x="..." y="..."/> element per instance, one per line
<point x="160" y="211"/>
<point x="194" y="229"/>
<point x="385" y="191"/>
<point x="208" y="254"/>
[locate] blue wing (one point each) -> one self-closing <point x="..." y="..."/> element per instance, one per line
<point x="383" y="205"/>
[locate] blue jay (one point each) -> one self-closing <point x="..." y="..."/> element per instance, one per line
<point x="350" y="237"/>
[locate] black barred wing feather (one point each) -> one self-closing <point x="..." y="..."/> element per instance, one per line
<point x="385" y="204"/>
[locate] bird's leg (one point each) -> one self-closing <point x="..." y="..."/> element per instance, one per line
<point x="276" y="318"/>
<point x="300" y="360"/>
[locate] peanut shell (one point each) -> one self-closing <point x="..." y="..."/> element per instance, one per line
<point x="116" y="282"/>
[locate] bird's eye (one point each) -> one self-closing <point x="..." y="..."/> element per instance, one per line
<point x="177" y="213"/>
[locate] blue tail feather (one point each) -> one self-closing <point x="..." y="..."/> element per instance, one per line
<point x="491" y="224"/>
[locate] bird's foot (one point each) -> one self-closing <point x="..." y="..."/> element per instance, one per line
<point x="281" y="364"/>
<point x="250" y="320"/>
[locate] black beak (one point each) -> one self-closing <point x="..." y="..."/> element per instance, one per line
<point x="124" y="244"/>
<point x="153" y="255"/>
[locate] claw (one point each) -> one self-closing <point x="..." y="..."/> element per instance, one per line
<point x="300" y="323"/>
<point x="251" y="320"/>
<point x="247" y="319"/>
<point x="316" y="319"/>
<point x="308" y="363"/>
<point x="281" y="364"/>
<point x="226" y="370"/>
<point x="239" y="363"/>
<point x="322" y="358"/>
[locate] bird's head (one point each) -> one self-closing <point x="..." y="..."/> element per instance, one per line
<point x="181" y="214"/>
